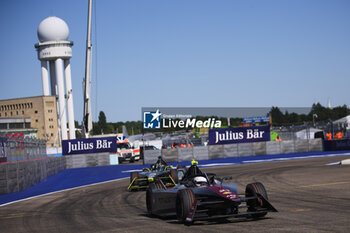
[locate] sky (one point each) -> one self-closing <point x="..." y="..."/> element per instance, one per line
<point x="187" y="53"/>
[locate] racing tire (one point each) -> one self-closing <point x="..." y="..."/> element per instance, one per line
<point x="152" y="187"/>
<point x="149" y="198"/>
<point x="251" y="191"/>
<point x="184" y="202"/>
<point x="174" y="175"/>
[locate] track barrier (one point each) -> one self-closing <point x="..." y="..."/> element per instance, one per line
<point x="17" y="176"/>
<point x="239" y="150"/>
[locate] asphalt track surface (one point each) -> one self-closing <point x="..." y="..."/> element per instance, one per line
<point x="310" y="197"/>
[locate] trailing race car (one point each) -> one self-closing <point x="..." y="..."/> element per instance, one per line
<point x="203" y="196"/>
<point x="168" y="175"/>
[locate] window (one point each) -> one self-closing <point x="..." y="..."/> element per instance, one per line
<point x="36" y="111"/>
<point x="36" y="120"/>
<point x="3" y="125"/>
<point x="16" y="125"/>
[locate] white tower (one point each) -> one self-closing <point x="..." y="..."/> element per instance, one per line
<point x="55" y="49"/>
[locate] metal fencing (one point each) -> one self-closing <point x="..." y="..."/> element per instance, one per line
<point x="293" y="131"/>
<point x="16" y="149"/>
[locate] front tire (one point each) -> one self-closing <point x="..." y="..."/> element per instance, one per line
<point x="184" y="202"/>
<point x="251" y="191"/>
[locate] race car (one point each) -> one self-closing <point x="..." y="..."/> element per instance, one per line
<point x="168" y="175"/>
<point x="203" y="196"/>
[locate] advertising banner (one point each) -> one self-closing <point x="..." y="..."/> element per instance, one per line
<point x="239" y="135"/>
<point x="89" y="145"/>
<point x="256" y="119"/>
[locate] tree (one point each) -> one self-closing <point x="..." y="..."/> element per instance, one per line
<point x="277" y="116"/>
<point x="102" y="127"/>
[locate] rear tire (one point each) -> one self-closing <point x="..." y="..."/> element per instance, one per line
<point x="251" y="191"/>
<point x="149" y="196"/>
<point x="184" y="202"/>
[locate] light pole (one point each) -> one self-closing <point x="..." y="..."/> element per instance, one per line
<point x="313" y="118"/>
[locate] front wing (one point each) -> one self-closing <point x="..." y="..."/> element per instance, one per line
<point x="194" y="214"/>
<point x="146" y="181"/>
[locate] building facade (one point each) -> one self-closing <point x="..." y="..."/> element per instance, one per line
<point x="32" y="114"/>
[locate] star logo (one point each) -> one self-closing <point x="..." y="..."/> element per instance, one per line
<point x="156" y="115"/>
<point x="151" y="120"/>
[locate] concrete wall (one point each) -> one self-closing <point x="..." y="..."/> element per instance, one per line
<point x="200" y="153"/>
<point x="231" y="150"/>
<point x="185" y="154"/>
<point x="151" y="156"/>
<point x="239" y="150"/>
<point x="216" y="152"/>
<point x="169" y="155"/>
<point x="18" y="176"/>
<point x="87" y="160"/>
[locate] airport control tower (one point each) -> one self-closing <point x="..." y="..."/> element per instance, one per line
<point x="55" y="50"/>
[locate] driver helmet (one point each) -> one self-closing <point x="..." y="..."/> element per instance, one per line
<point x="200" y="181"/>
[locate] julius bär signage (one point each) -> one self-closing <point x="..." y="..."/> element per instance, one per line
<point x="239" y="135"/>
<point x="89" y="145"/>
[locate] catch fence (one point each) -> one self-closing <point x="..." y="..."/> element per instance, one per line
<point x="20" y="148"/>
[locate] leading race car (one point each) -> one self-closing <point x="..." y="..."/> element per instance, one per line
<point x="203" y="196"/>
<point x="168" y="175"/>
